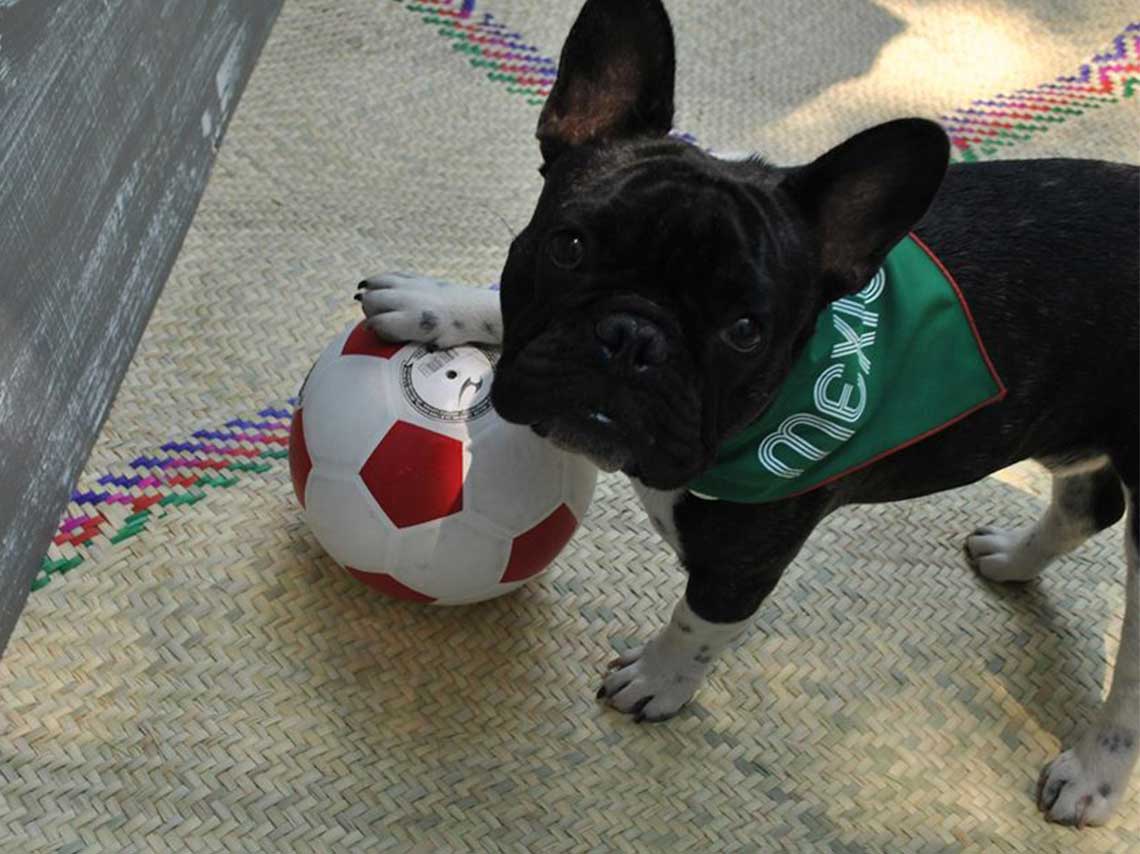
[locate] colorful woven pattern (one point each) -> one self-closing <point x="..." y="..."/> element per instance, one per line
<point x="978" y="131"/>
<point x="990" y="125"/>
<point x="490" y="45"/>
<point x="178" y="475"/>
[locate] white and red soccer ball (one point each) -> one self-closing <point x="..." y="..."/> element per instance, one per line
<point x="411" y="481"/>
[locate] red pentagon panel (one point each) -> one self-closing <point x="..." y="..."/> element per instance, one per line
<point x="415" y="475"/>
<point x="299" y="463"/>
<point x="362" y="341"/>
<point x="533" y="551"/>
<point x="389" y="586"/>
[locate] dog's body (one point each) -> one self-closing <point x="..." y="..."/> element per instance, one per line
<point x="659" y="297"/>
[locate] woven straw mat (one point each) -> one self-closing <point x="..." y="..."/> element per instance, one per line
<point x="195" y="674"/>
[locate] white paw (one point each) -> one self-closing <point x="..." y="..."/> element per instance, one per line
<point x="1082" y="786"/>
<point x="409" y="307"/>
<point x="1002" y="555"/>
<point x="652" y="684"/>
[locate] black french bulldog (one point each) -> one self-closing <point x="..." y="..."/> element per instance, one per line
<point x="660" y="297"/>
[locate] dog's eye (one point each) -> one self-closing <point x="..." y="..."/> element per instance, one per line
<point x="566" y="249"/>
<point x="742" y="334"/>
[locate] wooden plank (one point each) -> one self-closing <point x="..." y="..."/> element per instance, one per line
<point x="110" y="116"/>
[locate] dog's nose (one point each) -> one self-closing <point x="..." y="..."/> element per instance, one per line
<point x="634" y="341"/>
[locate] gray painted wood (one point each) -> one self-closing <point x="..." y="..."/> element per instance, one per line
<point x="110" y="115"/>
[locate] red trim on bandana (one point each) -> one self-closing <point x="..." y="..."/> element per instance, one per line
<point x="969" y="318"/>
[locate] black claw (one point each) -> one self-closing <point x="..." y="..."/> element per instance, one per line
<point x="638" y="709"/>
<point x="602" y="692"/>
<point x="1042" y="779"/>
<point x="1083" y="811"/>
<point x="1054" y="790"/>
<point x="358" y="297"/>
<point x="363" y="284"/>
<point x="971" y="561"/>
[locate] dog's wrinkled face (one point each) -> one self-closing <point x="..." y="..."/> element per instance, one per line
<point x="659" y="295"/>
<point x="641" y="306"/>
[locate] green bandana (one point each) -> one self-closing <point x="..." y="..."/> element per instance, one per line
<point x="887" y="367"/>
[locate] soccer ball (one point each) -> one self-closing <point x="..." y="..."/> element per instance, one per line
<point x="411" y="481"/>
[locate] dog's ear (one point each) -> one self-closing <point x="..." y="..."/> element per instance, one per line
<point x="615" y="77"/>
<point x="864" y="195"/>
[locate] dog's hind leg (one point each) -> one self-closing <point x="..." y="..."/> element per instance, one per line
<point x="1085" y="783"/>
<point x="1084" y="501"/>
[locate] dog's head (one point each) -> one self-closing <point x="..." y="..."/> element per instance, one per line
<point x="659" y="296"/>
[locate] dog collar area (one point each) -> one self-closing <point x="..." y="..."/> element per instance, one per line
<point x="885" y="368"/>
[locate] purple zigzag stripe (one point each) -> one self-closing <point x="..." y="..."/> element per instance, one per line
<point x="258" y="425"/>
<point x="230" y="436"/>
<point x="1082" y="77"/>
<point x="124" y="481"/>
<point x="91" y="497"/>
<point x="191" y="447"/>
<point x="1119" y="53"/>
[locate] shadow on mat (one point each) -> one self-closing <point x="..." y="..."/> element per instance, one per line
<point x="782" y="55"/>
<point x="1044" y="641"/>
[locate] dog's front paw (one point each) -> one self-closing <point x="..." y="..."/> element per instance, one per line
<point x="654" y="681"/>
<point x="407" y="307"/>
<point x="1004" y="556"/>
<point x="650" y="683"/>
<point x="1082" y="786"/>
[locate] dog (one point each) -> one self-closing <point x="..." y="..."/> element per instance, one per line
<point x="660" y="300"/>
